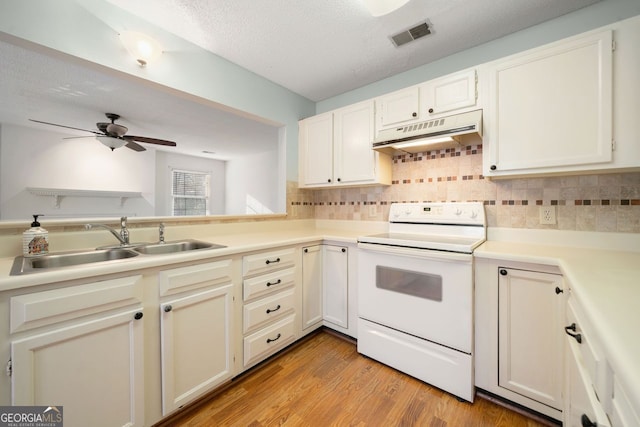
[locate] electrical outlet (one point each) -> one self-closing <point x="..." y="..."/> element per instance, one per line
<point x="547" y="214"/>
<point x="373" y="211"/>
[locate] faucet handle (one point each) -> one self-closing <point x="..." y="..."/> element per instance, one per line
<point x="123" y="221"/>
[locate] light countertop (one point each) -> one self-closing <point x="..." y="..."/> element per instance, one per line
<point x="606" y="284"/>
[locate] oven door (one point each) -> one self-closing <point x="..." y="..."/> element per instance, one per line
<point x="423" y="293"/>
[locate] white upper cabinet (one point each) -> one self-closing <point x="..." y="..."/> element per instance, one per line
<point x="550" y="108"/>
<point x="447" y="94"/>
<point x="398" y="108"/>
<point x="335" y="149"/>
<point x="316" y="150"/>
<point x="427" y="100"/>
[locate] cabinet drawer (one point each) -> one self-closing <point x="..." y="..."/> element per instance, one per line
<point x="267" y="341"/>
<point x="589" y="350"/>
<point x="45" y="308"/>
<point x="268" y="283"/>
<point x="267" y="261"/>
<point x="182" y="279"/>
<point x="263" y="311"/>
<point x="623" y="414"/>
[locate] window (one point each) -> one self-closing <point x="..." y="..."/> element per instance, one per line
<point x="190" y="192"/>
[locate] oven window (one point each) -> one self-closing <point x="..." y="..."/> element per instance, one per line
<point x="421" y="285"/>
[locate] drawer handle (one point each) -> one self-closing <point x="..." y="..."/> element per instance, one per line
<point x="570" y="330"/>
<point x="275" y="309"/>
<point x="277" y="282"/>
<point x="138" y="315"/>
<point x="167" y="308"/>
<point x="272" y="261"/>
<point x="559" y="290"/>
<point x="269" y="340"/>
<point x="586" y="422"/>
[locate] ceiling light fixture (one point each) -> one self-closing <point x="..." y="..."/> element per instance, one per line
<point x="382" y="7"/>
<point x="143" y="48"/>
<point x="111" y="142"/>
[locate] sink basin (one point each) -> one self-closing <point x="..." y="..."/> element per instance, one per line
<point x="175" y="246"/>
<point x="24" y="265"/>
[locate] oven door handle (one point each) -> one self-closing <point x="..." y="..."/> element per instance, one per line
<point x="418" y="253"/>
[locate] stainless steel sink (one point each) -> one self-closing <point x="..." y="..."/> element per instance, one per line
<point x="175" y="246"/>
<point x="23" y="265"/>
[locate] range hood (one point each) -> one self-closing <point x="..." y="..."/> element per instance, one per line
<point x="444" y="132"/>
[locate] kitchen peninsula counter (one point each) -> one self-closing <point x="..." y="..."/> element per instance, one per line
<point x="606" y="284"/>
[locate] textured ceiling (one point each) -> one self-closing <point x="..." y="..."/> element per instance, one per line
<point x="321" y="48"/>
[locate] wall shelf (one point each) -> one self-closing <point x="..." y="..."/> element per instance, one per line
<point x="59" y="193"/>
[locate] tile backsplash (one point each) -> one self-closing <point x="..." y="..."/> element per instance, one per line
<point x="602" y="202"/>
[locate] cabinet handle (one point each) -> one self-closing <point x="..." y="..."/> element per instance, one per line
<point x="272" y="261"/>
<point x="167" y="308"/>
<point x="275" y="309"/>
<point x="570" y="330"/>
<point x="306" y="250"/>
<point x="329" y="180"/>
<point x="269" y="340"/>
<point x="138" y="315"/>
<point x="503" y="272"/>
<point x="339" y="180"/>
<point x="558" y="290"/>
<point x="586" y="422"/>
<point x="414" y="114"/>
<point x="277" y="282"/>
<point x="493" y="167"/>
<point x="344" y="250"/>
<point x="430" y="110"/>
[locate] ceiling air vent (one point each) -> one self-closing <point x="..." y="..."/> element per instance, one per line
<point x="411" y="34"/>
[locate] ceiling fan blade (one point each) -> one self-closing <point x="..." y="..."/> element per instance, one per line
<point x="150" y="140"/>
<point x="135" y="147"/>
<point x="63" y="126"/>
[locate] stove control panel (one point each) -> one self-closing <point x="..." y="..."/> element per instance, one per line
<point x="466" y="213"/>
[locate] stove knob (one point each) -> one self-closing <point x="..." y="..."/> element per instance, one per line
<point x="458" y="212"/>
<point x="474" y="214"/>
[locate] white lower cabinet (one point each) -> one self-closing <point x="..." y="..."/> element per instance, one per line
<point x="269" y="303"/>
<point x="82" y="350"/>
<point x="335" y="285"/>
<point x="530" y="337"/>
<point x="311" y="286"/>
<point x="196" y="313"/>
<point x="518" y="333"/>
<point x="584" y="365"/>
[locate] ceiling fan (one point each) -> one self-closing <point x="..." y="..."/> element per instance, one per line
<point x="113" y="135"/>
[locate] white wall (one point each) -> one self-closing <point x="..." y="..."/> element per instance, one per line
<point x="166" y="162"/>
<point x="33" y="158"/>
<point x="251" y="184"/>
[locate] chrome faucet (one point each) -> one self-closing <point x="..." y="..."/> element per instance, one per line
<point x="161" y="232"/>
<point x="123" y="237"/>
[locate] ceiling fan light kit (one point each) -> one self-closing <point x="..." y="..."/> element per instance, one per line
<point x="110" y="142"/>
<point x="141" y="47"/>
<point x="113" y="135"/>
<point x="382" y="7"/>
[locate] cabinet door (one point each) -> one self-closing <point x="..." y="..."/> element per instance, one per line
<point x="196" y="345"/>
<point x="449" y="93"/>
<point x="354" y="159"/>
<point x="530" y="338"/>
<point x="93" y="369"/>
<point x="311" y="286"/>
<point x="551" y="107"/>
<point x="335" y="285"/>
<point x="398" y="108"/>
<point x="316" y="150"/>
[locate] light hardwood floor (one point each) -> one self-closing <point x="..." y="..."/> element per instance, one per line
<point x="325" y="382"/>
